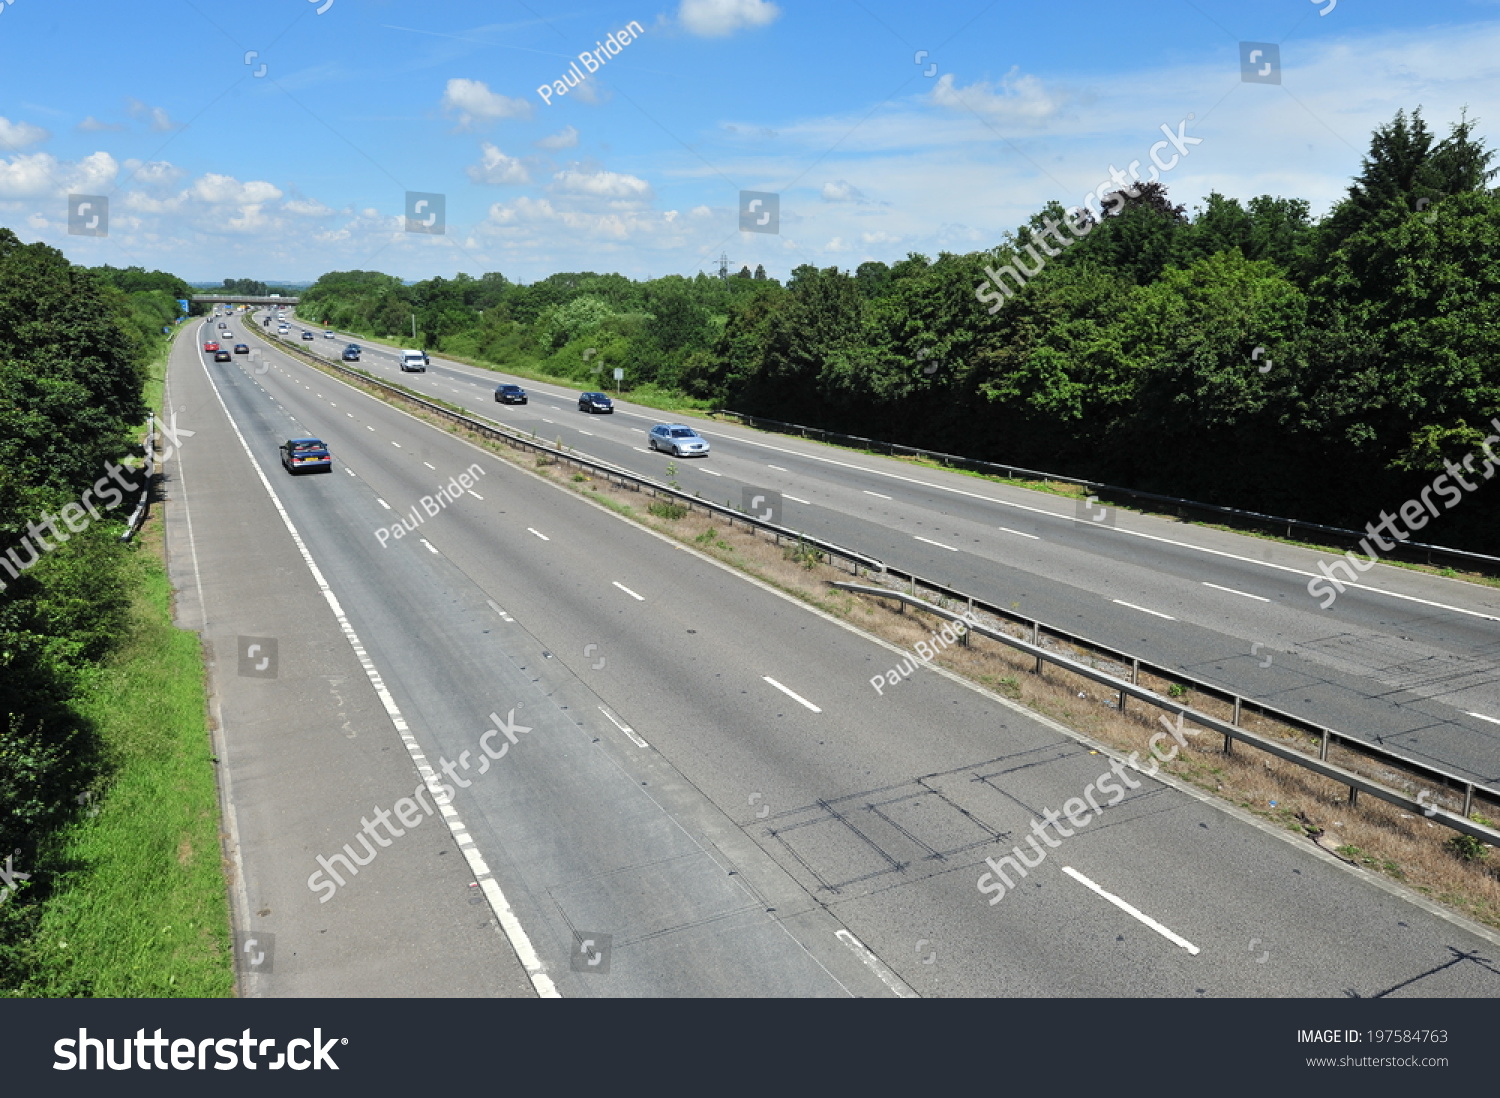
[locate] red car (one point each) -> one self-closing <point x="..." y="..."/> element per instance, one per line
<point x="210" y="346"/>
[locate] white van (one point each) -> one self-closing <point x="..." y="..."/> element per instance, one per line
<point x="413" y="361"/>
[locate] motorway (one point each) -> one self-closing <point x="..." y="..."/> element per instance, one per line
<point x="1406" y="660"/>
<point x="701" y="794"/>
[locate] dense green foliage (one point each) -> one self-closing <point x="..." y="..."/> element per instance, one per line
<point x="75" y="347"/>
<point x="1241" y="354"/>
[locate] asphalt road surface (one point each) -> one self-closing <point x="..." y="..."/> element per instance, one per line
<point x="699" y="793"/>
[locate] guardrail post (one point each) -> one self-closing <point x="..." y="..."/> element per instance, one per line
<point x="964" y="639"/>
<point x="1036" y="639"/>
<point x="1468" y="798"/>
<point x="1353" y="795"/>
<point x="1228" y="744"/>
<point x="1323" y="749"/>
<point x="1235" y="720"/>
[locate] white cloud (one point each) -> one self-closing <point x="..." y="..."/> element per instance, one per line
<point x="528" y="216"/>
<point x="588" y="92"/>
<point x="474" y="103"/>
<point x="495" y="167"/>
<point x="17" y="135"/>
<point x="155" y="173"/>
<point x="1017" y="98"/>
<point x="29" y="176"/>
<point x="717" y="18"/>
<point x="93" y="125"/>
<point x="879" y="237"/>
<point x="840" y="190"/>
<point x="160" y="121"/>
<point x="565" y="138"/>
<point x="38" y="175"/>
<point x="601" y="184"/>
<point x="307" y="207"/>
<point x="225" y="190"/>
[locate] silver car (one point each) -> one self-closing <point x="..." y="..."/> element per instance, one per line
<point x="680" y="440"/>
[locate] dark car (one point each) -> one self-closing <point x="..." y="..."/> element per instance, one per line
<point x="241" y="349"/>
<point x="307" y="335"/>
<point x="351" y="354"/>
<point x="301" y="455"/>
<point x="223" y="356"/>
<point x="510" y="394"/>
<point x="595" y="402"/>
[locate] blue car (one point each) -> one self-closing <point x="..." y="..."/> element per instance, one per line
<point x="306" y="455"/>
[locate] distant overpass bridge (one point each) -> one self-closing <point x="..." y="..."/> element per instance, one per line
<point x="241" y="299"/>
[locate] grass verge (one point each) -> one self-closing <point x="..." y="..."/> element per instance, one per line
<point x="137" y="904"/>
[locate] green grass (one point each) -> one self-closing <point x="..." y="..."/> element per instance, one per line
<point x="140" y="907"/>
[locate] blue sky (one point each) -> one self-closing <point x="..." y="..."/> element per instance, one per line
<point x="213" y="171"/>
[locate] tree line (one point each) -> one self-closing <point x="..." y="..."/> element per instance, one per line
<point x="1244" y="354"/>
<point x="75" y="345"/>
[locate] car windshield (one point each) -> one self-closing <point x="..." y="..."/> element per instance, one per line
<point x="307" y="447"/>
<point x="682" y="432"/>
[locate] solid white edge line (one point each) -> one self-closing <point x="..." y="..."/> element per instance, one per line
<point x="1175" y="939"/>
<point x="939" y="544"/>
<point x="509" y="924"/>
<point x="628" y="591"/>
<point x="625" y="728"/>
<point x="1481" y="716"/>
<point x="791" y="694"/>
<point x="1143" y="610"/>
<point x="1232" y="591"/>
<point x="901" y="989"/>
